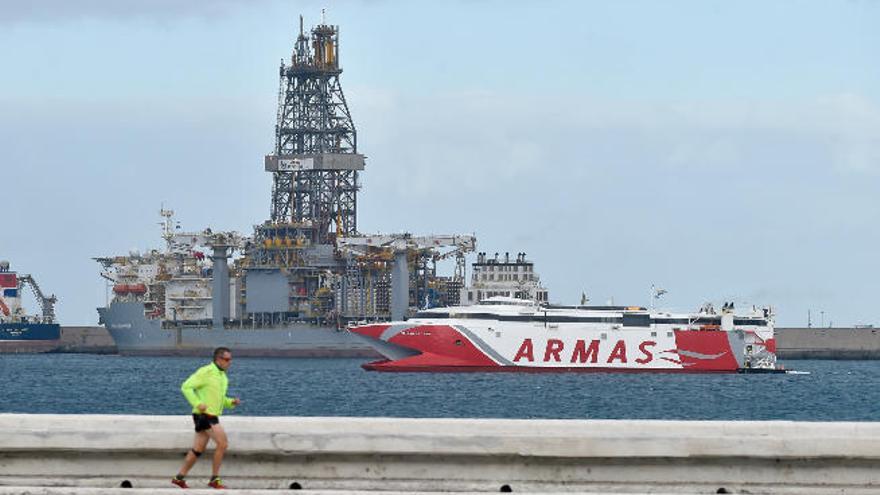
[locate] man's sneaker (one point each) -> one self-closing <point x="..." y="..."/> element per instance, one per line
<point x="216" y="483"/>
<point x="179" y="482"/>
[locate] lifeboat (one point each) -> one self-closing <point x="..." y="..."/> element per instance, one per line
<point x="139" y="289"/>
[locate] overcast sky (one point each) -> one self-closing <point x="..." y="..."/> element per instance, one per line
<point x="721" y="150"/>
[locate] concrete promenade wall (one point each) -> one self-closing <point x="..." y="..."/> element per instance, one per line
<point x="481" y="455"/>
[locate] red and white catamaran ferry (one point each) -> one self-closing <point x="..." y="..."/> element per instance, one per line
<point x="507" y="334"/>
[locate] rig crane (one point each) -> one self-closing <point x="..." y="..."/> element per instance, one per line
<point x="47" y="304"/>
<point x="397" y="246"/>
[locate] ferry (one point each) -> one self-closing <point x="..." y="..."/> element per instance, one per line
<point x="510" y="334"/>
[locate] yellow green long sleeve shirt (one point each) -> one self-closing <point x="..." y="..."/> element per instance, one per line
<point x="207" y="386"/>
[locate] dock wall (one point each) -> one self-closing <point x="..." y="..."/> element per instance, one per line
<point x="89" y="340"/>
<point x="828" y="343"/>
<point x="455" y="455"/>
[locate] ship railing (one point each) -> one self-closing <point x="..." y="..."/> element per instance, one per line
<point x="246" y="323"/>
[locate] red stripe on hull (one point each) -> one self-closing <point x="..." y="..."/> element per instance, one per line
<point x="396" y="366"/>
<point x="448" y="347"/>
<point x="373" y="331"/>
<point x="712" y="346"/>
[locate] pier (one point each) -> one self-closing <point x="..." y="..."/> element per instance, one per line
<point x="88" y="453"/>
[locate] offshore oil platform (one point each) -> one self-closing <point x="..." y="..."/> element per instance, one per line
<point x="292" y="287"/>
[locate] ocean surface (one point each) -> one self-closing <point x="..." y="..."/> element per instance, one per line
<point x="78" y="384"/>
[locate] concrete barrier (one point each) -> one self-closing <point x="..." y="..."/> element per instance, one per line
<point x="453" y="455"/>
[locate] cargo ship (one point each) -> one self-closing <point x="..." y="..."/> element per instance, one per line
<point x="510" y="334"/>
<point x="20" y="332"/>
<point x="293" y="286"/>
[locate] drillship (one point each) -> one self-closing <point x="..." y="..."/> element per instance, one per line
<point x="509" y="334"/>
<point x="306" y="273"/>
<point x="20" y="332"/>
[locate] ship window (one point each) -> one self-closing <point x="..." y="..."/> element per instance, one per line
<point x="653" y="334"/>
<point x="636" y="320"/>
<point x="470" y="295"/>
<point x="604" y="336"/>
<point x="458" y="342"/>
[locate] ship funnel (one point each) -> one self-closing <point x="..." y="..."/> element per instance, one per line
<point x="220" y="286"/>
<point x="399" y="287"/>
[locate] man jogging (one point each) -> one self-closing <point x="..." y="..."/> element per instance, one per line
<point x="205" y="390"/>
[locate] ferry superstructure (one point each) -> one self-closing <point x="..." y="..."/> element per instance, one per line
<point x="503" y="276"/>
<point x="507" y="334"/>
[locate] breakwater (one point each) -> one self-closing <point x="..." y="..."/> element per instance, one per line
<point x="86" y="339"/>
<point x="828" y="343"/>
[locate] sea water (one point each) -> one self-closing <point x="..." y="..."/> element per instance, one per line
<point x="109" y="384"/>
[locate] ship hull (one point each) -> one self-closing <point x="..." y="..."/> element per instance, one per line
<point x="29" y="337"/>
<point x="135" y="335"/>
<point x="461" y="347"/>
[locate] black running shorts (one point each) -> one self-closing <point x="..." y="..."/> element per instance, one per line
<point x="204" y="421"/>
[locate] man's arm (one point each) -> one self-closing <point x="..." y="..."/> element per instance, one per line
<point x="189" y="387"/>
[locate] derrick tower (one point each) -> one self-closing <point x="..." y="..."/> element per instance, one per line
<point x="315" y="162"/>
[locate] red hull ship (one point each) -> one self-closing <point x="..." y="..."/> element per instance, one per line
<point x="505" y="334"/>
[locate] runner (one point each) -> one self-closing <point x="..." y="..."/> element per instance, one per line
<point x="205" y="390"/>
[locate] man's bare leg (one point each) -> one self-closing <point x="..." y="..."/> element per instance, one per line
<point x="218" y="434"/>
<point x="199" y="443"/>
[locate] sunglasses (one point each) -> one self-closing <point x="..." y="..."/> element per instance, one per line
<point x="225" y="359"/>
